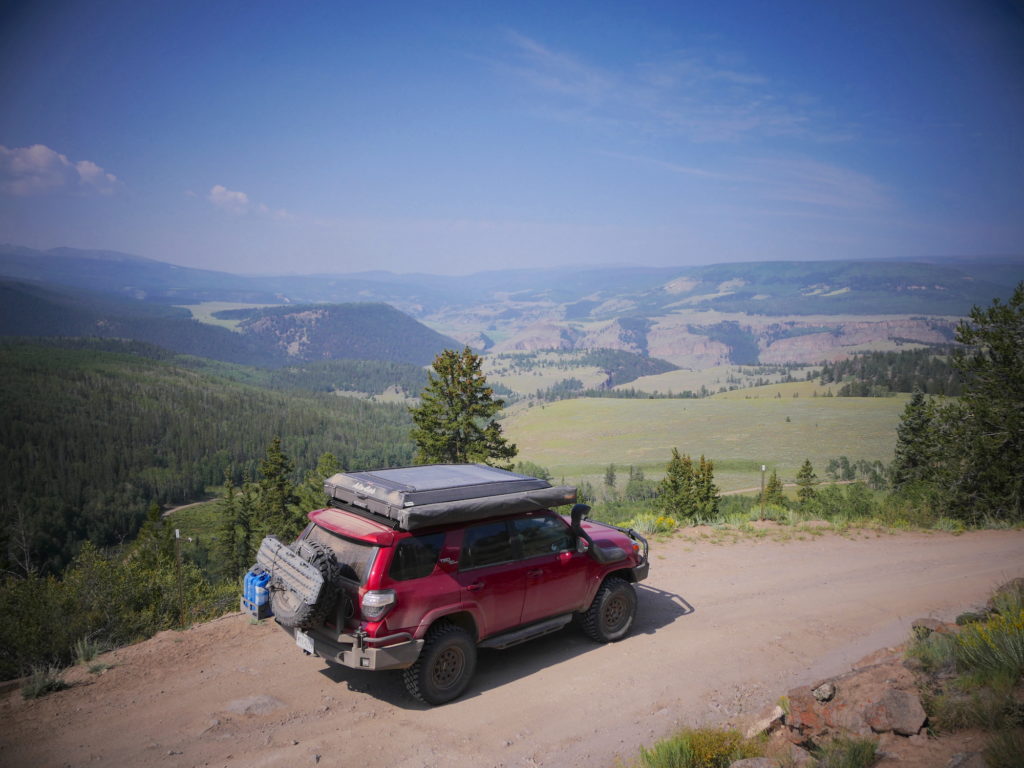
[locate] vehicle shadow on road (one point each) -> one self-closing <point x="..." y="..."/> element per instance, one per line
<point x="656" y="609"/>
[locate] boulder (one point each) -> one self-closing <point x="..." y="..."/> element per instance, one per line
<point x="897" y="711"/>
<point x="770" y="721"/>
<point x="824" y="692"/>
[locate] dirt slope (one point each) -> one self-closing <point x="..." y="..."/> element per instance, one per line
<point x="723" y="630"/>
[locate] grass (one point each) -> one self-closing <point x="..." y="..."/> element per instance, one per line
<point x="204" y="312"/>
<point x="42" y="680"/>
<point x="700" y="748"/>
<point x="970" y="679"/>
<point x="198" y="520"/>
<point x="88" y="648"/>
<point x="844" y="752"/>
<point x="577" y="439"/>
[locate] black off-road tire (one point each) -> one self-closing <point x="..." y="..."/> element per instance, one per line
<point x="289" y="609"/>
<point x="445" y="665"/>
<point x="610" y="616"/>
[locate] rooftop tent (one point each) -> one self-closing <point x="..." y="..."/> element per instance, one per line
<point x="441" y="494"/>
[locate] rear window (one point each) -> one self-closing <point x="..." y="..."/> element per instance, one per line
<point x="354" y="557"/>
<point x="416" y="557"/>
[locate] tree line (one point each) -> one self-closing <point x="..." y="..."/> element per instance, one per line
<point x="89" y="439"/>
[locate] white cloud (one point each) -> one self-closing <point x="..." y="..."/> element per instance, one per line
<point x="229" y="200"/>
<point x="39" y="170"/>
<point x="238" y="203"/>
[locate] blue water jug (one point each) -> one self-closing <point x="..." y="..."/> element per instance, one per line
<point x="261" y="595"/>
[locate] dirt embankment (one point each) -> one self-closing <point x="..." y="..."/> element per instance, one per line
<point x="723" y="630"/>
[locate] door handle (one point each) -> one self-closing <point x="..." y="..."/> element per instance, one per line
<point x="475" y="586"/>
<point x="535" y="572"/>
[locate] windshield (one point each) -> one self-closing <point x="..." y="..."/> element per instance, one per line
<point x="354" y="557"/>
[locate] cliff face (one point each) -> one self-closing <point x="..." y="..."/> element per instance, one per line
<point x="837" y="344"/>
<point x="676" y="339"/>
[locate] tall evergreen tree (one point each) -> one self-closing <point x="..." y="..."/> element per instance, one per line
<point x="981" y="437"/>
<point x="677" y="490"/>
<point x="277" y="495"/>
<point x="806" y="480"/>
<point x="454" y="421"/>
<point x="309" y="494"/>
<point x="915" y="442"/>
<point x="705" y="490"/>
<point x="773" y="491"/>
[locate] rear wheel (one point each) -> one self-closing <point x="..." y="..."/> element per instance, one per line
<point x="445" y="665"/>
<point x="610" y="616"/>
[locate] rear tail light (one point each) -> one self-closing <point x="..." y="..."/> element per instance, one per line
<point x="376" y="603"/>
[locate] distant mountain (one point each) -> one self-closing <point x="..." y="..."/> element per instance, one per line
<point x="343" y="331"/>
<point x="271" y="338"/>
<point x="692" y="316"/>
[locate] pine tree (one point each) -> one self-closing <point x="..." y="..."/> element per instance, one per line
<point x="773" y="491"/>
<point x="806" y="480"/>
<point x="981" y="438"/>
<point x="915" y="442"/>
<point x="309" y="494"/>
<point x="705" y="490"/>
<point x="277" y="495"/>
<point x="454" y="422"/>
<point x="677" y="490"/>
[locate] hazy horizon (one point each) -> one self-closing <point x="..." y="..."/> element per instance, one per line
<point x="454" y="138"/>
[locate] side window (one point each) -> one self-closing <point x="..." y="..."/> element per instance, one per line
<point x="486" y="544"/>
<point x="542" y="535"/>
<point x="416" y="557"/>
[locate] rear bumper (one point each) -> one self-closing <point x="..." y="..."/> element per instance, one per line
<point x="360" y="653"/>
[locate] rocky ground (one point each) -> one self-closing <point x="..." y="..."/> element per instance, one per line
<point x="725" y="628"/>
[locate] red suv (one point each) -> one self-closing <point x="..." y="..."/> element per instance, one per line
<point x="415" y="568"/>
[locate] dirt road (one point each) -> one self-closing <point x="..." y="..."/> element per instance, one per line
<point x="724" y="629"/>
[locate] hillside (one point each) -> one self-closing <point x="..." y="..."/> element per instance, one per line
<point x="271" y="337"/>
<point x="90" y="437"/>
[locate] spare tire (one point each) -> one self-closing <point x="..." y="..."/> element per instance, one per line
<point x="289" y="607"/>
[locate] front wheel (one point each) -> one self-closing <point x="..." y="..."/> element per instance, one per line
<point x="445" y="665"/>
<point x="610" y="616"/>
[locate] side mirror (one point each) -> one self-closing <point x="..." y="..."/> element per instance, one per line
<point x="582" y="545"/>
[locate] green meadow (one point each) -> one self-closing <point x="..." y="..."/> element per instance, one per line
<point x="204" y="312"/>
<point x="577" y="439"/>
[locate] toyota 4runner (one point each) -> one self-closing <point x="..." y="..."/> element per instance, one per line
<point x="415" y="568"/>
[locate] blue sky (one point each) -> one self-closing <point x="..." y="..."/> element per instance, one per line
<point x="303" y="137"/>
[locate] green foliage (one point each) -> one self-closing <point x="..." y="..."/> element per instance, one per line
<point x="688" y="492"/>
<point x="43" y="679"/>
<point x="454" y="422"/>
<point x="915" y="442"/>
<point x="700" y="748"/>
<point x="773" y="493"/>
<point x="843" y="752"/>
<point x="90" y="439"/>
<point x="970" y="452"/>
<point x="107" y="597"/>
<point x="1004" y="749"/>
<point x="874" y="374"/>
<point x="533" y="470"/>
<point x="651" y="523"/>
<point x="88" y="648"/>
<point x="806" y="480"/>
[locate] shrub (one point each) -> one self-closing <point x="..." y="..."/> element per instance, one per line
<point x="994" y="647"/>
<point x="42" y="680"/>
<point x="700" y="748"/>
<point x="844" y="752"/>
<point x="1005" y="748"/>
<point x="650" y="523"/>
<point x="87" y="649"/>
